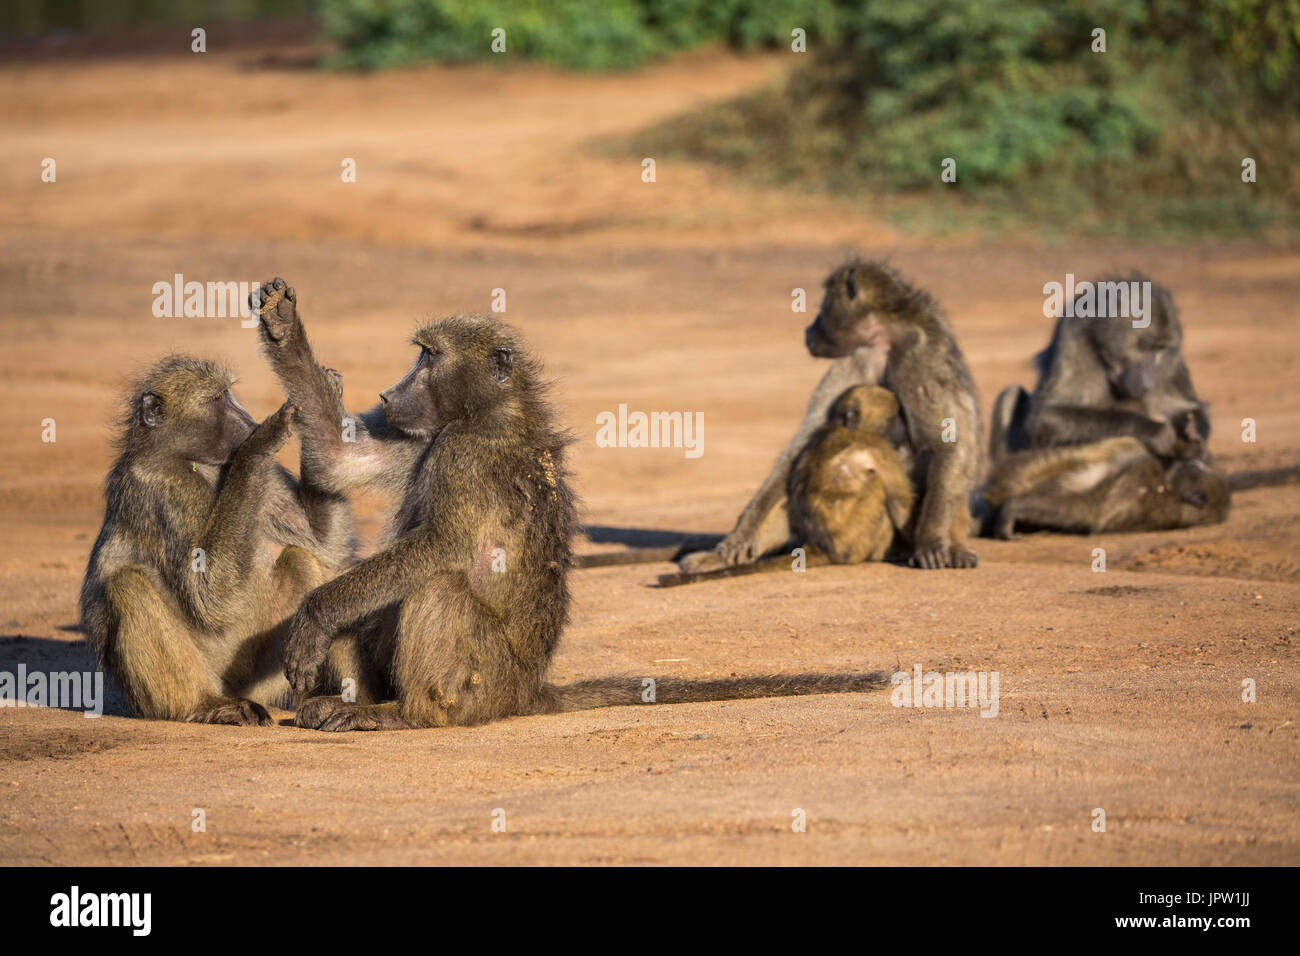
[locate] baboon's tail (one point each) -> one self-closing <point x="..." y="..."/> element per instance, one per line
<point x="619" y="691"/>
<point x="1242" y="480"/>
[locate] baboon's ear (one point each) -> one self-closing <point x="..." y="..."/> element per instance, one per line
<point x="851" y="283"/>
<point x="501" y="362"/>
<point x="150" y="409"/>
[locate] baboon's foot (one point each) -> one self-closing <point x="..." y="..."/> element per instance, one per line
<point x="315" y="710"/>
<point x="739" y="547"/>
<point x="232" y="710"/>
<point x="336" y="380"/>
<point x="931" y="557"/>
<point x="333" y="714"/>
<point x="962" y="557"/>
<point x="276" y="306"/>
<point x="700" y="561"/>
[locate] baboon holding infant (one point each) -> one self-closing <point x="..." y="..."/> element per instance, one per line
<point x="1114" y="436"/>
<point x="457" y="618"/>
<point x="206" y="549"/>
<point x="880" y="330"/>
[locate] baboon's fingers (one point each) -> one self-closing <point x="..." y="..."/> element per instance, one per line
<point x="237" y="712"/>
<point x="930" y="558"/>
<point x="964" y="558"/>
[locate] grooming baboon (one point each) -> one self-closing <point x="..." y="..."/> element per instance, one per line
<point x="849" y="491"/>
<point x="471" y="594"/>
<point x="207" y="547"/>
<point x="1111" y="485"/>
<point x="1102" y="378"/>
<point x="881" y="331"/>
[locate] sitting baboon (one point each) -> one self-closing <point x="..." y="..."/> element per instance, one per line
<point x="849" y="492"/>
<point x="882" y="331"/>
<point x="1111" y="485"/>
<point x="465" y="605"/>
<point x="206" y="549"/>
<point x="1102" y="377"/>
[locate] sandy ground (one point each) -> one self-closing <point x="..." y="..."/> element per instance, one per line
<point x="1119" y="691"/>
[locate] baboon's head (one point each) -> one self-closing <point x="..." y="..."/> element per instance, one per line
<point x="1196" y="484"/>
<point x="866" y="408"/>
<point x="183" y="407"/>
<point x="861" y="297"/>
<point x="1137" y="360"/>
<point x="469" y="367"/>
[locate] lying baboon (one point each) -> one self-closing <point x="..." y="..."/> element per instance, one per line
<point x="1101" y="378"/>
<point x="471" y="594"/>
<point x="206" y="549"/>
<point x="1111" y="485"/>
<point x="849" y="491"/>
<point x="882" y="331"/>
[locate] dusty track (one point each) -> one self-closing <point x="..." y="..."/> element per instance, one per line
<point x="1118" y="690"/>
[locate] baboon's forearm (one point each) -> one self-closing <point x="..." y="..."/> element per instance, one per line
<point x="1069" y="425"/>
<point x="329" y="516"/>
<point x="229" y="537"/>
<point x="375" y="583"/>
<point x="945" y="491"/>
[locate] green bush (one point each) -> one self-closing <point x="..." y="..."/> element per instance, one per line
<point x="578" y="34"/>
<point x="1145" y="137"/>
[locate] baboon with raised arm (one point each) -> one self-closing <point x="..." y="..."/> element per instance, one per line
<point x="879" y="330"/>
<point x="1102" y="377"/>
<point x="849" y="493"/>
<point x="1111" y="485"/>
<point x="206" y="549"/>
<point x="466" y="603"/>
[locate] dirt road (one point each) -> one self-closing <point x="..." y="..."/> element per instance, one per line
<point x="1119" y="690"/>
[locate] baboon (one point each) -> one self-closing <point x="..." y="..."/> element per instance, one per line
<point x="850" y="495"/>
<point x="471" y="593"/>
<point x="207" y="547"/>
<point x="1102" y="378"/>
<point x="882" y="331"/>
<point x="849" y="491"/>
<point x="1115" y="484"/>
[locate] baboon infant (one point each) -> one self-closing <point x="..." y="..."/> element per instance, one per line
<point x="849" y="492"/>
<point x="206" y="549"/>
<point x="1112" y="485"/>
<point x="879" y="330"/>
<point x="460" y="614"/>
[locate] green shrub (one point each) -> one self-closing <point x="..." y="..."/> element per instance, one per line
<point x="1145" y="137"/>
<point x="579" y="34"/>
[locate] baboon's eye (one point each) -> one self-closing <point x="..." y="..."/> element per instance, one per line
<point x="851" y="286"/>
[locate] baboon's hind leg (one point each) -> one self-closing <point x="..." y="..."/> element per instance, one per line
<point x="158" y="665"/>
<point x="1007" y="429"/>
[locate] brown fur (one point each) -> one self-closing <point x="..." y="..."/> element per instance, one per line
<point x="849" y="492"/>
<point x="195" y="471"/>
<point x="879" y="330"/>
<point x="1102" y="378"/>
<point x="1111" y="485"/>
<point x="464" y="607"/>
